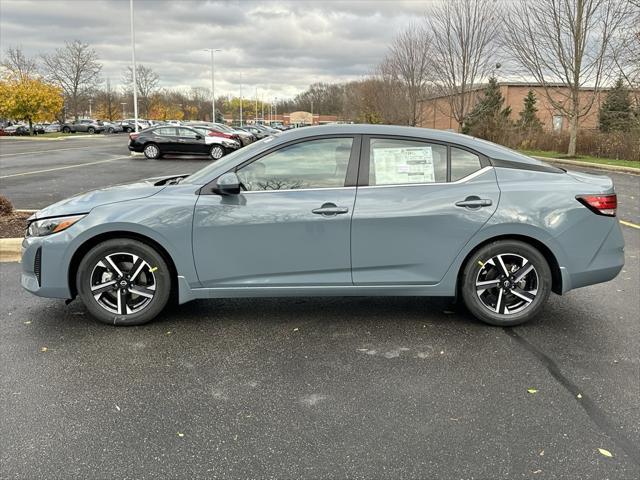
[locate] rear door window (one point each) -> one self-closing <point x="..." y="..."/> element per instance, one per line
<point x="463" y="163"/>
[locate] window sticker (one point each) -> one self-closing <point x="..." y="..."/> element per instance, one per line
<point x="403" y="165"/>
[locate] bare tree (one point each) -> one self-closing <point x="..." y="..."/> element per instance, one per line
<point x="566" y="43"/>
<point x="75" y="69"/>
<point x="147" y="82"/>
<point x="16" y="66"/>
<point x="627" y="51"/>
<point x="408" y="63"/>
<point x="463" y="45"/>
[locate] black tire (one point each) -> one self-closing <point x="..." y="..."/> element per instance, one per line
<point x="491" y="304"/>
<point x="217" y="152"/>
<point x="156" y="269"/>
<point x="66" y="130"/>
<point x="110" y="130"/>
<point x="91" y="130"/>
<point x="152" y="151"/>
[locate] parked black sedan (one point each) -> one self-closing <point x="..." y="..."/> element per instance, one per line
<point x="157" y="141"/>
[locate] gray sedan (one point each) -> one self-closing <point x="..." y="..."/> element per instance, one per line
<point x="334" y="210"/>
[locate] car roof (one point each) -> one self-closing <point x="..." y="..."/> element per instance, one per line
<point x="484" y="147"/>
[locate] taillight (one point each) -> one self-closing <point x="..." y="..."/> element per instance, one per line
<point x="133" y="136"/>
<point x="213" y="133"/>
<point x="600" y="204"/>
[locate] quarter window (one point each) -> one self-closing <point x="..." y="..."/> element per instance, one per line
<point x="463" y="163"/>
<point x="313" y="164"/>
<point x="398" y="162"/>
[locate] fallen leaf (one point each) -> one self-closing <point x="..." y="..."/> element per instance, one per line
<point x="542" y="453"/>
<point x="44" y="349"/>
<point x="538" y="471"/>
<point x="441" y="352"/>
<point x="28" y="322"/>
<point x="604" y="452"/>
<point x="180" y="434"/>
<point x="117" y="408"/>
<point x="168" y="333"/>
<point x="296" y="329"/>
<point x="532" y="390"/>
<point x="579" y="395"/>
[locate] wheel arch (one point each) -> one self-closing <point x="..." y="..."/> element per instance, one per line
<point x="550" y="257"/>
<point x="88" y="244"/>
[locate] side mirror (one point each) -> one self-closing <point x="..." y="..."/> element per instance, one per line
<point x="227" y="184"/>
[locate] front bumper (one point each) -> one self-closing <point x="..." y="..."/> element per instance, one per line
<point x="49" y="278"/>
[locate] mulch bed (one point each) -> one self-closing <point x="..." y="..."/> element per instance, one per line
<point x="13" y="225"/>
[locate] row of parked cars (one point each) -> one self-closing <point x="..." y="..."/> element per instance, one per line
<point x="195" y="138"/>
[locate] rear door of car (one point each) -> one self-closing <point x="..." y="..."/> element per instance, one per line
<point x="167" y="139"/>
<point x="418" y="203"/>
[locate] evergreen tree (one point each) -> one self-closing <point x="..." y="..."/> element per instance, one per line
<point x="488" y="119"/>
<point x="616" y="113"/>
<point x="529" y="121"/>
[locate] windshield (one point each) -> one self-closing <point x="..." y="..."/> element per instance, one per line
<point x="204" y="175"/>
<point x="224" y="128"/>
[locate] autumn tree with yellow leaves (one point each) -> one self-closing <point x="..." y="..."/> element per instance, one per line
<point x="30" y="100"/>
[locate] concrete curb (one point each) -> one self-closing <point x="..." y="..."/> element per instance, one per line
<point x="10" y="249"/>
<point x="599" y="166"/>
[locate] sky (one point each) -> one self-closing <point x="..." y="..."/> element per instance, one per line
<point x="278" y="47"/>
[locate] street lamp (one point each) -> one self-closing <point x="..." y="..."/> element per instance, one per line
<point x="90" y="114"/>
<point x="133" y="63"/>
<point x="213" y="85"/>
<point x="123" y="105"/>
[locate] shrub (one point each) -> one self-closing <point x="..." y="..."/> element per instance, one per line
<point x="6" y="208"/>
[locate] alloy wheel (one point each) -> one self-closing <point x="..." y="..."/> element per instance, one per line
<point x="217" y="152"/>
<point x="507" y="283"/>
<point x="151" y="151"/>
<point x="123" y="283"/>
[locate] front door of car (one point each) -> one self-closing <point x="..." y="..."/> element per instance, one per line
<point x="290" y="227"/>
<point x="421" y="204"/>
<point x="191" y="141"/>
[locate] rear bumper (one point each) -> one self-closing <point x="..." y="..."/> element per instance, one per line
<point x="605" y="265"/>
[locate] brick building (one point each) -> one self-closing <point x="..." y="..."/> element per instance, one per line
<point x="293" y="118"/>
<point x="436" y="111"/>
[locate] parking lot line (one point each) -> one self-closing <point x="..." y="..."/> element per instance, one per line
<point x="62" y="168"/>
<point x="629" y="224"/>
<point x="40" y="151"/>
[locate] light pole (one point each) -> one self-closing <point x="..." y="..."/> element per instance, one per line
<point x="213" y="84"/>
<point x="275" y="107"/>
<point x="90" y="101"/>
<point x="240" y="99"/>
<point x="133" y="67"/>
<point x="123" y="105"/>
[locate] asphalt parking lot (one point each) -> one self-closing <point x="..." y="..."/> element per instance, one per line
<point x="309" y="388"/>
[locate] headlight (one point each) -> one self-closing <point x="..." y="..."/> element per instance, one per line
<point x="47" y="226"/>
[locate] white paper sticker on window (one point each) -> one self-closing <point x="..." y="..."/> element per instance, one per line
<point x="403" y="165"/>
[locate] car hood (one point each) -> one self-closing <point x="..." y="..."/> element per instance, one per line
<point x="85" y="202"/>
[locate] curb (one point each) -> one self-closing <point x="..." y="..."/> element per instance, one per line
<point x="598" y="166"/>
<point x="10" y="249"/>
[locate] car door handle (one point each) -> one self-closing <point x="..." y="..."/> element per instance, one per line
<point x="474" y="202"/>
<point x="329" y="210"/>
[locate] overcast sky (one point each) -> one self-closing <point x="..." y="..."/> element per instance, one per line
<point x="280" y="47"/>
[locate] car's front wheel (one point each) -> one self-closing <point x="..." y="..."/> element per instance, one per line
<point x="217" y="152"/>
<point x="66" y="130"/>
<point x="123" y="282"/>
<point x="91" y="130"/>
<point x="506" y="283"/>
<point x="152" y="151"/>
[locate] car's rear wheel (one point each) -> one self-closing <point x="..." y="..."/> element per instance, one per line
<point x="217" y="152"/>
<point x="66" y="130"/>
<point x="506" y="283"/>
<point x="151" y="151"/>
<point x="123" y="282"/>
<point x="91" y="130"/>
